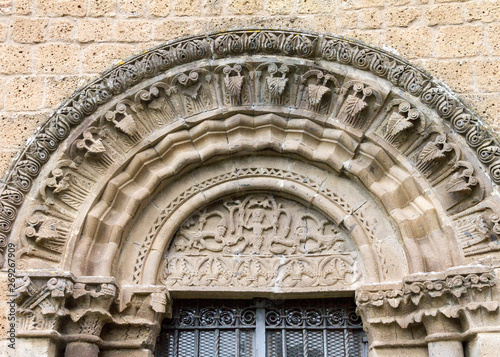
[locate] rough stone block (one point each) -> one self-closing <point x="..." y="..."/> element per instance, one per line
<point x="187" y="8"/>
<point x="4" y="30"/>
<point x="449" y="14"/>
<point x="133" y="30"/>
<point x="315" y="6"/>
<point x="6" y="157"/>
<point x="24" y="93"/>
<point x="131" y="8"/>
<point x="59" y="88"/>
<point x="15" y="59"/>
<point x="409" y="41"/>
<point x="278" y="7"/>
<point x="61" y="29"/>
<point x="28" y="30"/>
<point x="371" y="37"/>
<point x="459" y="41"/>
<point x="347" y="20"/>
<point x="360" y="4"/>
<point x="487" y="105"/>
<point x="17" y="127"/>
<point x="401" y="16"/>
<point x="60" y="7"/>
<point x="372" y="18"/>
<point x="244" y="7"/>
<point x="397" y="2"/>
<point x="6" y="7"/>
<point x="324" y="23"/>
<point x="493" y="39"/>
<point x="171" y="28"/>
<point x="487" y="75"/>
<point x="456" y="73"/>
<point x="485" y="11"/>
<point x="23" y="7"/>
<point x="102" y="8"/>
<point x="57" y="58"/>
<point x="95" y="30"/>
<point x="98" y="57"/>
<point x="161" y="8"/>
<point x="447" y="1"/>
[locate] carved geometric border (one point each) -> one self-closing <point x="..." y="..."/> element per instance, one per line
<point x="86" y="101"/>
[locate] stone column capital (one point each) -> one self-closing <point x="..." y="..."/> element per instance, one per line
<point x="453" y="305"/>
<point x="41" y="302"/>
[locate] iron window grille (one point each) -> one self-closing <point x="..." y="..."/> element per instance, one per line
<point x="262" y="328"/>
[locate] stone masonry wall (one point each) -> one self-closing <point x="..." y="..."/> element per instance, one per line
<point x="49" y="48"/>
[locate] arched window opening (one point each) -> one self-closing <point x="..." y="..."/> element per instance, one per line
<point x="262" y="328"/>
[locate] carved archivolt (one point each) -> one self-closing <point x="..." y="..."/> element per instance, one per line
<point x="187" y="116"/>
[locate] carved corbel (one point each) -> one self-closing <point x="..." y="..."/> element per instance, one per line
<point x="41" y="303"/>
<point x="90" y="146"/>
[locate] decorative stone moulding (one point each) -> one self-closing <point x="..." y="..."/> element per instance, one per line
<point x="249" y="163"/>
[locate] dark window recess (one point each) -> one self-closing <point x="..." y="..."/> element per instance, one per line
<point x="262" y="328"/>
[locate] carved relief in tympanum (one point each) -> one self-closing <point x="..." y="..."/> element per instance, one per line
<point x="261" y="241"/>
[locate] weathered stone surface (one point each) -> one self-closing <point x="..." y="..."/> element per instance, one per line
<point x="133" y="31"/>
<point x="161" y="8"/>
<point x="169" y="29"/>
<point x="402" y="16"/>
<point x="15" y="59"/>
<point x="25" y="123"/>
<point x="60" y="7"/>
<point x="24" y="93"/>
<point x="448" y="14"/>
<point x="94" y="30"/>
<point x="459" y="41"/>
<point x="493" y="39"/>
<point x="26" y="30"/>
<point x="244" y="7"/>
<point x="60" y="88"/>
<point x="405" y="40"/>
<point x="131" y="8"/>
<point x="372" y="18"/>
<point x="61" y="29"/>
<point x="56" y="58"/>
<point x="97" y="58"/>
<point x="99" y="8"/>
<point x="186" y="8"/>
